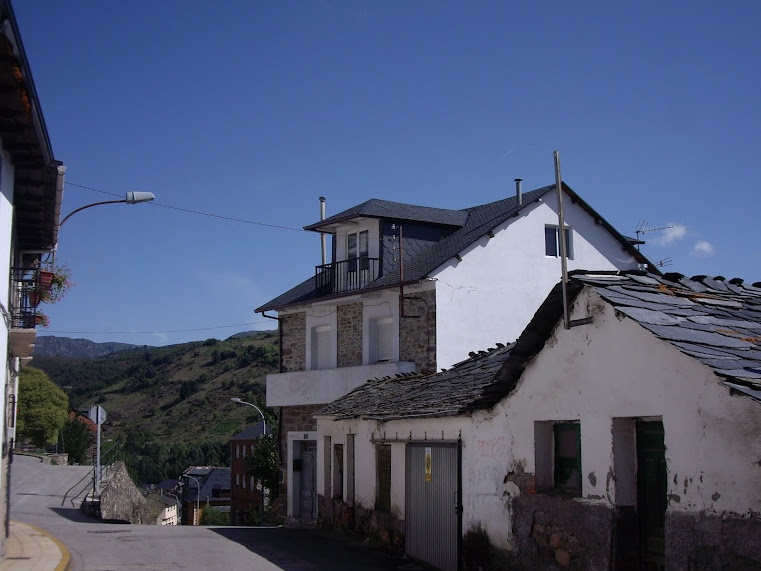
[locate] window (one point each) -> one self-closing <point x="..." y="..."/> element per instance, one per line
<point x="383" y="477"/>
<point x="552" y="242"/>
<point x="321" y="347"/>
<point x="558" y="457"/>
<point x="381" y="340"/>
<point x="568" y="457"/>
<point x="338" y="471"/>
<point x="237" y="480"/>
<point x="358" y="246"/>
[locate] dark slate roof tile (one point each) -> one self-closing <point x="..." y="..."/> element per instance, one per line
<point x="695" y="336"/>
<point x="448" y="393"/>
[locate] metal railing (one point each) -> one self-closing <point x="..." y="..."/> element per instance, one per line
<point x="25" y="296"/>
<point x="348" y="275"/>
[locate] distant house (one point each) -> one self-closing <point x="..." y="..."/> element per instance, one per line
<point x="631" y="439"/>
<point x="408" y="290"/>
<point x="245" y="500"/>
<point x="204" y="486"/>
<point x="170" y="512"/>
<point x="31" y="191"/>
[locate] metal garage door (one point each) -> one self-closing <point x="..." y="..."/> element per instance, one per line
<point x="433" y="509"/>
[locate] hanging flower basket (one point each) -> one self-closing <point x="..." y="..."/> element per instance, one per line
<point x="34" y="298"/>
<point x="41" y="319"/>
<point x="46" y="280"/>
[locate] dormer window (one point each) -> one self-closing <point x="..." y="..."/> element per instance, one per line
<point x="358" y="246"/>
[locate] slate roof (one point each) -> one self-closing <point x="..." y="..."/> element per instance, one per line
<point x="448" y="393"/>
<point x="376" y="208"/>
<point x="478" y="221"/>
<point x="251" y="432"/>
<point x="715" y="321"/>
<point x="210" y="478"/>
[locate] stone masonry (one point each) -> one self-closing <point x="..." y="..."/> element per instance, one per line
<point x="349" y="323"/>
<point x="293" y="351"/>
<point x="417" y="331"/>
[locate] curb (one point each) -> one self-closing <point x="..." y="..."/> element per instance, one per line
<point x="65" y="563"/>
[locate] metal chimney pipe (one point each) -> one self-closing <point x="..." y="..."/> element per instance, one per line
<point x="322" y="234"/>
<point x="518" y="193"/>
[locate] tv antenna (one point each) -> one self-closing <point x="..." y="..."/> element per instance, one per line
<point x="664" y="262"/>
<point x="642" y="229"/>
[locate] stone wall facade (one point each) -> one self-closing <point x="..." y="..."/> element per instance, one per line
<point x="293" y="334"/>
<point x="349" y="325"/>
<point x="417" y="331"/>
<point x="712" y="541"/>
<point x="379" y="525"/>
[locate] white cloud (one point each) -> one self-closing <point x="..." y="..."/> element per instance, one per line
<point x="672" y="234"/>
<point x="703" y="249"/>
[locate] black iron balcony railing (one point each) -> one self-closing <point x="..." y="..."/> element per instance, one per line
<point x="349" y="275"/>
<point x="26" y="291"/>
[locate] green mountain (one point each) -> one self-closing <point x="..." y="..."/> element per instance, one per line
<point x="176" y="394"/>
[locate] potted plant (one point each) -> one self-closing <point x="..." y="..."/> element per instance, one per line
<point x="41" y="319"/>
<point x="45" y="280"/>
<point x="60" y="283"/>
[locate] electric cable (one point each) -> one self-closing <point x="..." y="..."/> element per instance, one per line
<point x="188" y="210"/>
<point x="156" y="332"/>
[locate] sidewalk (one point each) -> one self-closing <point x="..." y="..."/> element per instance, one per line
<point x="28" y="547"/>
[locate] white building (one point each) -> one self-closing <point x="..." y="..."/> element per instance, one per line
<point x="409" y="289"/>
<point x="631" y="438"/>
<point x="31" y="190"/>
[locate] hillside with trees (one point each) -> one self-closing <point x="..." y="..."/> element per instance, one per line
<point x="169" y="407"/>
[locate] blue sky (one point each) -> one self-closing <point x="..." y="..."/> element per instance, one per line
<point x="253" y="109"/>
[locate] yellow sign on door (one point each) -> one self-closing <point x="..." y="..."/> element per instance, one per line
<point x="428" y="464"/>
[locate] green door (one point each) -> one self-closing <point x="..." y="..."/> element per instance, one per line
<point x="651" y="493"/>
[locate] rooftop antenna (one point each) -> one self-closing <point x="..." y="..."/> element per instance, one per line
<point x="664" y="262"/>
<point x="642" y="229"/>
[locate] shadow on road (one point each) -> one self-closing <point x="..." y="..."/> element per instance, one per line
<point x="292" y="549"/>
<point x="73" y="514"/>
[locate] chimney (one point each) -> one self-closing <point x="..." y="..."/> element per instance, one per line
<point x="518" y="193"/>
<point x="322" y="234"/>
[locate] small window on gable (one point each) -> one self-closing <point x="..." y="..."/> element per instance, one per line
<point x="552" y="241"/>
<point x="558" y="457"/>
<point x="381" y="340"/>
<point x="321" y="347"/>
<point x="568" y="458"/>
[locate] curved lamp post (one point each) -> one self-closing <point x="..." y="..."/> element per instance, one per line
<point x="130" y="198"/>
<point x="264" y="422"/>
<point x="198" y="498"/>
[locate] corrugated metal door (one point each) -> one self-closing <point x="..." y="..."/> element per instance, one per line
<point x="432" y="506"/>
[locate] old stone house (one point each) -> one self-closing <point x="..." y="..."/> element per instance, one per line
<point x="631" y="439"/>
<point x="408" y="289"/>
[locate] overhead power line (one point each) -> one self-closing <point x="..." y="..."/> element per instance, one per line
<point x="221" y="217"/>
<point x="152" y="332"/>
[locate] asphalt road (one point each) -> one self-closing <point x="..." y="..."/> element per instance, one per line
<point x="37" y="494"/>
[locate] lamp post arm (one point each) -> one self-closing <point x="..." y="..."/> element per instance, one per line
<point x="70" y="214"/>
<point x="264" y="421"/>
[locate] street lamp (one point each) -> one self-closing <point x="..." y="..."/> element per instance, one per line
<point x="264" y="422"/>
<point x="198" y="498"/>
<point x="132" y="197"/>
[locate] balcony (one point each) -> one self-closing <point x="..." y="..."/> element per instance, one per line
<point x="326" y="385"/>
<point x="26" y="287"/>
<point x="348" y="275"/>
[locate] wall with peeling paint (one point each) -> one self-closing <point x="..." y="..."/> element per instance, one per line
<point x="471" y="294"/>
<point x="595" y="374"/>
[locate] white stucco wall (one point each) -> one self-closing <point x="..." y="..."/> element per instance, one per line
<point x="6" y="224"/>
<point x="492" y="294"/>
<point x="612" y="369"/>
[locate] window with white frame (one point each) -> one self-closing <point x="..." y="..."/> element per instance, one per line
<point x="552" y="241"/>
<point x="358" y="246"/>
<point x="322" y="340"/>
<point x="381" y="331"/>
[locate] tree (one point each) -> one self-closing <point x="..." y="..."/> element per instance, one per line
<point x="262" y="464"/>
<point x="212" y="516"/>
<point x="76" y="438"/>
<point x="42" y="408"/>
